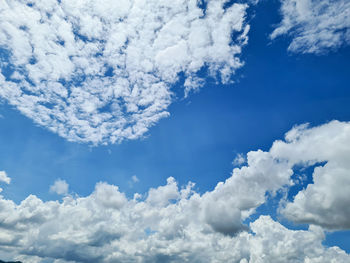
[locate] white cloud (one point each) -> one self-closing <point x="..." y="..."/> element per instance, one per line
<point x="135" y="179"/>
<point x="239" y="160"/>
<point x="4" y="178"/>
<point x="172" y="224"/>
<point x="316" y="26"/>
<point x="324" y="202"/>
<point x="107" y="227"/>
<point x="102" y="71"/>
<point x="60" y="187"/>
<point x="275" y="243"/>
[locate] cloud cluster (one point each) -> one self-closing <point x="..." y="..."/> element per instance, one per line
<point x="170" y="225"/>
<point x="316" y="26"/>
<point x="102" y="71"/>
<point x="177" y="224"/>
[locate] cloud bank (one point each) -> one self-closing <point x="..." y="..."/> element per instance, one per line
<point x="177" y="224"/>
<point x="315" y="26"/>
<point x="102" y="71"/>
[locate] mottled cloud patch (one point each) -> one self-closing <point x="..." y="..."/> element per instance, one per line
<point x="315" y="26"/>
<point x="102" y="71"/>
<point x="171" y="223"/>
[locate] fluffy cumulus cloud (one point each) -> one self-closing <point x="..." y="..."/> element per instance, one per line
<point x="169" y="225"/>
<point x="177" y="224"/>
<point x="275" y="243"/>
<point x="4" y="178"/>
<point x="102" y="71"/>
<point x="316" y="26"/>
<point x="325" y="202"/>
<point x="59" y="187"/>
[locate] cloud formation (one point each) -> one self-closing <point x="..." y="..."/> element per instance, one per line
<point x="325" y="202"/>
<point x="315" y="26"/>
<point x="177" y="224"/>
<point x="4" y="178"/>
<point x="107" y="227"/>
<point x="102" y="71"/>
<point x="275" y="243"/>
<point x="59" y="187"/>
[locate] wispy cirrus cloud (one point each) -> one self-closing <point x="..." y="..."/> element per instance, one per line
<point x="102" y="71"/>
<point x="315" y="26"/>
<point x="176" y="224"/>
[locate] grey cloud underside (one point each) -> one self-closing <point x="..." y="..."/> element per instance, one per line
<point x="316" y="26"/>
<point x="102" y="71"/>
<point x="178" y="224"/>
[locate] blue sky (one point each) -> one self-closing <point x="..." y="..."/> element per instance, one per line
<point x="275" y="90"/>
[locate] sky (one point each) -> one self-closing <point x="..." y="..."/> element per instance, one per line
<point x="174" y="131"/>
